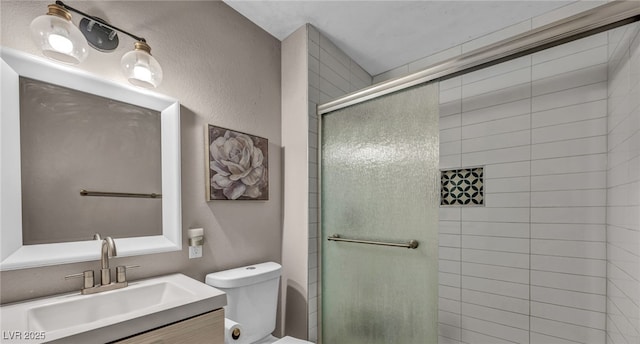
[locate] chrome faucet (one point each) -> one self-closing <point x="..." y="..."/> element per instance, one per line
<point x="107" y="249"/>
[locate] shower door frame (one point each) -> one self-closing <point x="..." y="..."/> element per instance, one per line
<point x="599" y="19"/>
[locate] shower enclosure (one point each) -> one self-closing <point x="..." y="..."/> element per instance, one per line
<point x="552" y="255"/>
<point x="379" y="173"/>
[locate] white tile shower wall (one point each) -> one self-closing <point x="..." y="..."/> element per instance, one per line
<point x="495" y="258"/>
<point x="568" y="291"/>
<point x="331" y="74"/>
<point x="530" y="266"/>
<point x="623" y="187"/>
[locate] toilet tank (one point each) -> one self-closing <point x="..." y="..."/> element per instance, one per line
<point x="252" y="297"/>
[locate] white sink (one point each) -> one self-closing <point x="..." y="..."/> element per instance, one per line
<point x="111" y="315"/>
<point x="134" y="299"/>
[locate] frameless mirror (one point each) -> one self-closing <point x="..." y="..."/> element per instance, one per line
<point x="81" y="129"/>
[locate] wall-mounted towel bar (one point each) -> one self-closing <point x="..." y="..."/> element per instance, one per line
<point x="411" y="244"/>
<point x="118" y="194"/>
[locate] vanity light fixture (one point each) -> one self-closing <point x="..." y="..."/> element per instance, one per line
<point x="60" y="40"/>
<point x="57" y="37"/>
<point x="140" y="67"/>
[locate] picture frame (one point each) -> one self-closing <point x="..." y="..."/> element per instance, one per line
<point x="237" y="165"/>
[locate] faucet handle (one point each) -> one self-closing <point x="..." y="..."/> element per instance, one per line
<point x="121" y="272"/>
<point x="86" y="275"/>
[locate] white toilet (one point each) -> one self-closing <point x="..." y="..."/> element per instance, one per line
<point x="252" y="300"/>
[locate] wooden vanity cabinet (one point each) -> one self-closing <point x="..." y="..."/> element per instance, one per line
<point x="207" y="328"/>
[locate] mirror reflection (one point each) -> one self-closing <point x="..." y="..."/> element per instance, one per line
<point x="72" y="141"/>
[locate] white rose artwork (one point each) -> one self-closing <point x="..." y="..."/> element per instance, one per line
<point x="237" y="165"/>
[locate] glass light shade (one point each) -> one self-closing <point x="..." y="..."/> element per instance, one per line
<point x="58" y="38"/>
<point x="140" y="67"/>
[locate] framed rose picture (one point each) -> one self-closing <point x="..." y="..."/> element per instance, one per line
<point x="237" y="165"/>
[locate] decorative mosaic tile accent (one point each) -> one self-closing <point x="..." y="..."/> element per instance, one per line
<point x="462" y="187"/>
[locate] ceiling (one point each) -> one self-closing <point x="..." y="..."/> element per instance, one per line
<point x="382" y="35"/>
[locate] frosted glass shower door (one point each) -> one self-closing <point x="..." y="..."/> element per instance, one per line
<point x="380" y="183"/>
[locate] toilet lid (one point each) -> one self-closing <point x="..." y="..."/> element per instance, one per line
<point x="291" y="340"/>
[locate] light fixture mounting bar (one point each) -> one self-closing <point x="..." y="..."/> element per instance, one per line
<point x="100" y="21"/>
